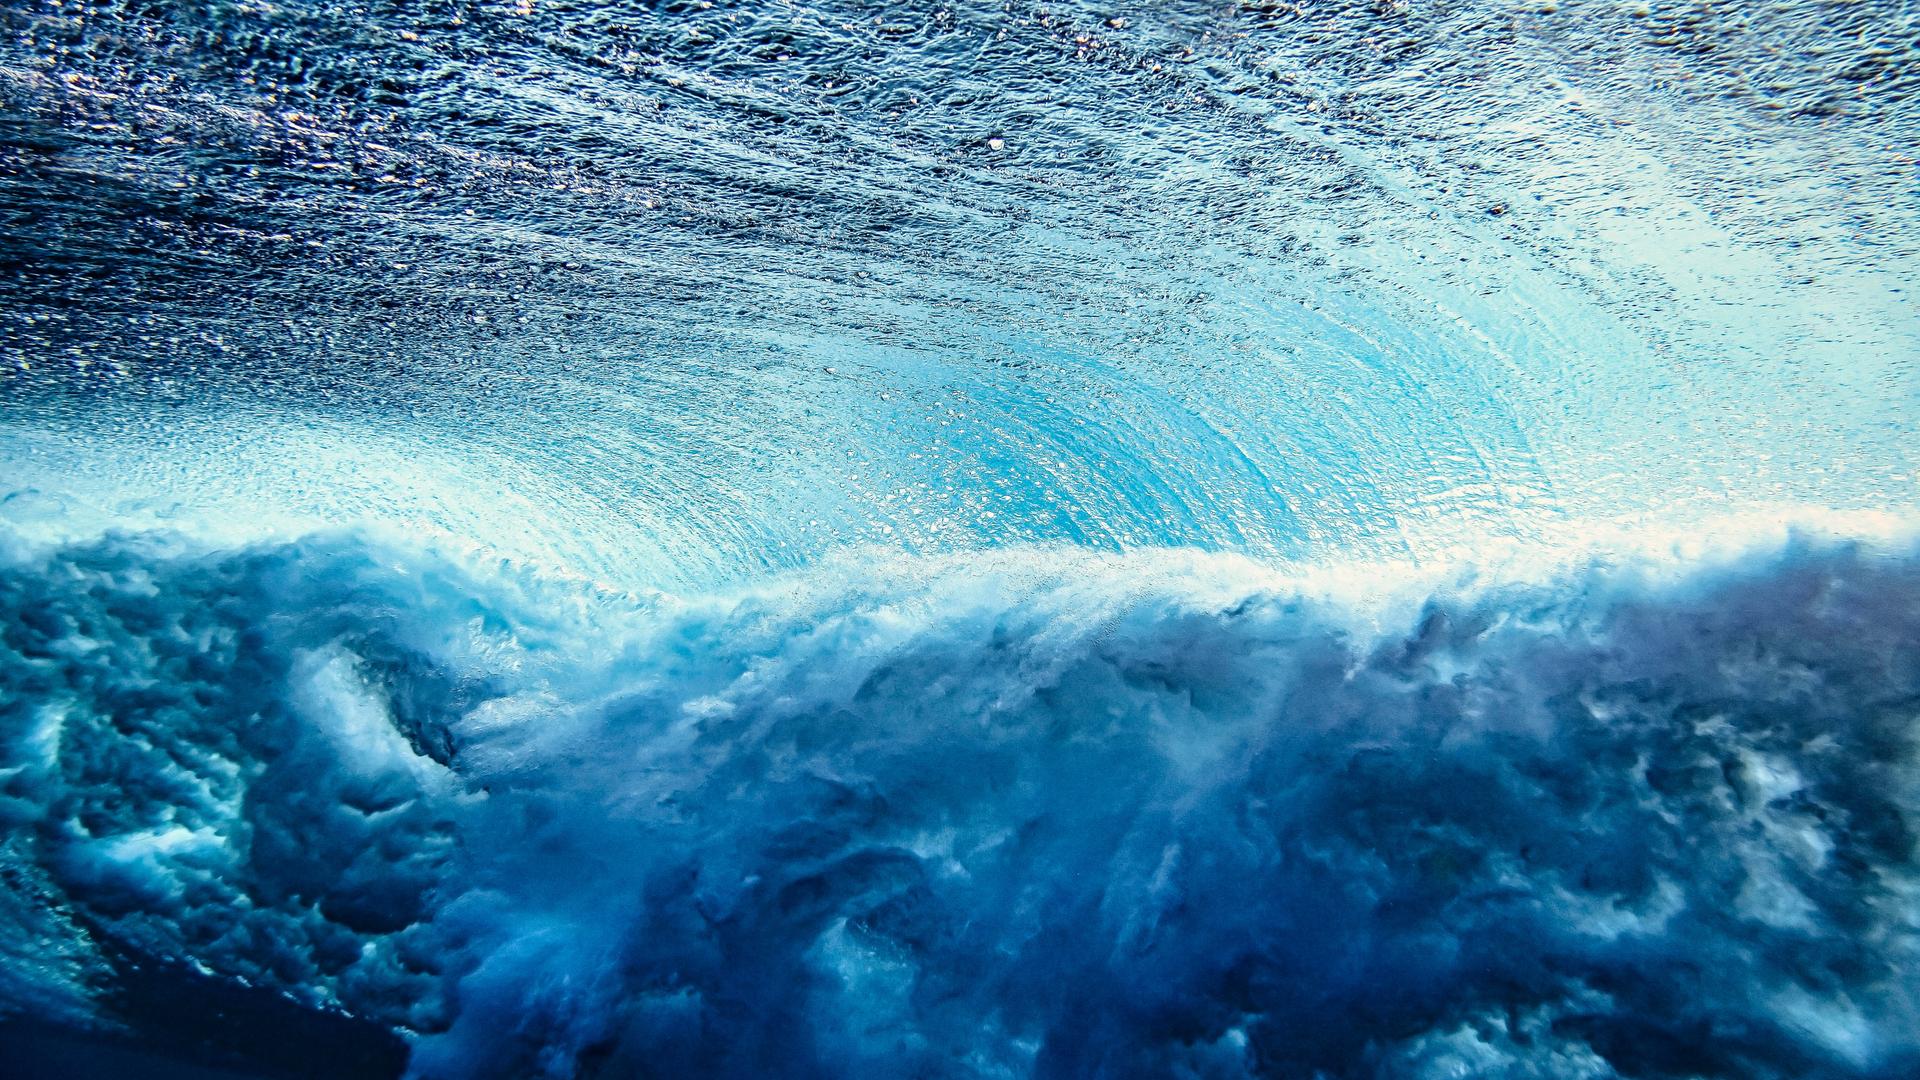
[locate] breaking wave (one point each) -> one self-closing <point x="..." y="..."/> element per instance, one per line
<point x="703" y="539"/>
<point x="1039" y="813"/>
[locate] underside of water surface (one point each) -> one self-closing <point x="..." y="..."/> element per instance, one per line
<point x="1181" y="539"/>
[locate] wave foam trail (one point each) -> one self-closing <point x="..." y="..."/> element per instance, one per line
<point x="1146" y="815"/>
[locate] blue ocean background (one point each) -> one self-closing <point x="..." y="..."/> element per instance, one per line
<point x="777" y="539"/>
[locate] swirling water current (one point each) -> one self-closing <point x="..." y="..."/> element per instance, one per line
<point x="864" y="539"/>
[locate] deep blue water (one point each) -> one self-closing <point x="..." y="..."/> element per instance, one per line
<point x="765" y="539"/>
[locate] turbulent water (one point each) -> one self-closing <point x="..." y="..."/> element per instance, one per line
<point x="1192" y="539"/>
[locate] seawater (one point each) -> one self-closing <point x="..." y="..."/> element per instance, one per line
<point x="745" y="539"/>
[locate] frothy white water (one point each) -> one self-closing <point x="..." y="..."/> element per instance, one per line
<point x="1038" y="812"/>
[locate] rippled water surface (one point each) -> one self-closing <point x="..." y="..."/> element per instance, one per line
<point x="698" y="288"/>
<point x="1172" y="539"/>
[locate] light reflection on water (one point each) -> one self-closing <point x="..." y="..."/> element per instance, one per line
<point x="706" y="288"/>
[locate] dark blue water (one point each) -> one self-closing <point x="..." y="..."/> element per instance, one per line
<point x="1200" y="539"/>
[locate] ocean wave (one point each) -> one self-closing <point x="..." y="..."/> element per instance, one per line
<point x="1043" y="813"/>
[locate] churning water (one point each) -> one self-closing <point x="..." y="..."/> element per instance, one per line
<point x="1176" y="539"/>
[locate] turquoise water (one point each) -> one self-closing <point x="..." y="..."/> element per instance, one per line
<point x="623" y="289"/>
<point x="1197" y="539"/>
